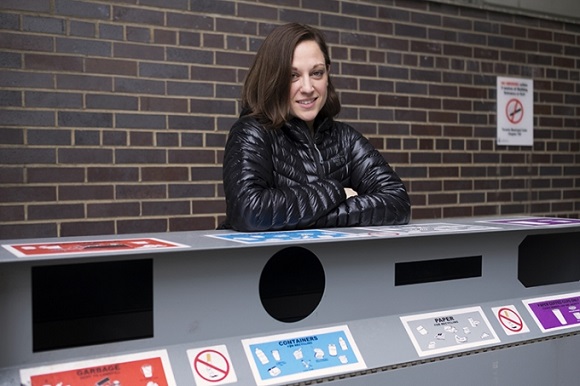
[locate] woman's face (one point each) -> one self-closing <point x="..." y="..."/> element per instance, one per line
<point x="309" y="86"/>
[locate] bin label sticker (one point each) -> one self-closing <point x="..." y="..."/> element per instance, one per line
<point x="283" y="236"/>
<point x="449" y="331"/>
<point x="90" y="247"/>
<point x="538" y="221"/>
<point x="427" y="228"/>
<point x="510" y="320"/>
<point x="293" y="357"/>
<point x="211" y="366"/>
<point x="555" y="312"/>
<point x="148" y="369"/>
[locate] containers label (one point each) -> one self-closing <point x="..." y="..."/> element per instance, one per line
<point x="302" y="355"/>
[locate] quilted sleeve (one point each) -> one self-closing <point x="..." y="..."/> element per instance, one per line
<point x="382" y="198"/>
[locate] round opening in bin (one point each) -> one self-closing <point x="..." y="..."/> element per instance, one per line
<point x="292" y="284"/>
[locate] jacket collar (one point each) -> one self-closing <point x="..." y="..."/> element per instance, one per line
<point x="299" y="131"/>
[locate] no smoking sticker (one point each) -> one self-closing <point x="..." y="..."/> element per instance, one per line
<point x="211" y="366"/>
<point x="510" y="320"/>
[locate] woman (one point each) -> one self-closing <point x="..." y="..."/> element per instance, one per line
<point x="288" y="164"/>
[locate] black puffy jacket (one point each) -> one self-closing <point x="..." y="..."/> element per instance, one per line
<point x="283" y="179"/>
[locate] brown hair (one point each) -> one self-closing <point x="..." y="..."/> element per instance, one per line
<point x="266" y="90"/>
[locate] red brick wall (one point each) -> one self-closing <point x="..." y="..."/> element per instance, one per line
<point x="114" y="114"/>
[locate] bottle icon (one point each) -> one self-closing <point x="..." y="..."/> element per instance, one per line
<point x="342" y="343"/>
<point x="261" y="356"/>
<point x="332" y="350"/>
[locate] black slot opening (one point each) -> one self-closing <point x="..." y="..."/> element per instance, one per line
<point x="549" y="259"/>
<point x="77" y="305"/>
<point x="428" y="271"/>
<point x="292" y="284"/>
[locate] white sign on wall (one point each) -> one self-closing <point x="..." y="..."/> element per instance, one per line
<point x="515" y="111"/>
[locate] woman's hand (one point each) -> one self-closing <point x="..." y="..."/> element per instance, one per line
<point x="350" y="193"/>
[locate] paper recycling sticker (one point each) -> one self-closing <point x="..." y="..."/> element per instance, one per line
<point x="449" y="331"/>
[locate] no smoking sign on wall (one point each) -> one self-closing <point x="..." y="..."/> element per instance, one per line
<point x="515" y="111"/>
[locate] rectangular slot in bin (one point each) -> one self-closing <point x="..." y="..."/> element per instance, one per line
<point x="76" y="305"/>
<point x="548" y="259"/>
<point x="428" y="271"/>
